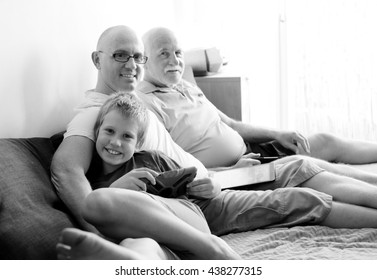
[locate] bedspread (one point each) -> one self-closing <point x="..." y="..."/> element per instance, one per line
<point x="305" y="242"/>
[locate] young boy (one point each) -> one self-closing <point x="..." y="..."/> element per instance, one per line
<point x="121" y="208"/>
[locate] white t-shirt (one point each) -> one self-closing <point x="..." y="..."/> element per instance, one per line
<point x="156" y="136"/>
<point x="194" y="123"/>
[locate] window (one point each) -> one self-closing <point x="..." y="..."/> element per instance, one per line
<point x="332" y="67"/>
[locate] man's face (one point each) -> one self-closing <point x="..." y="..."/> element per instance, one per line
<point x="120" y="76"/>
<point x="165" y="63"/>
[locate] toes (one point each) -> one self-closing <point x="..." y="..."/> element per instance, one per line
<point x="72" y="236"/>
<point x="63" y="251"/>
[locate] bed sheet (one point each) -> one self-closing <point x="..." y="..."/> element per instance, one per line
<point x="305" y="243"/>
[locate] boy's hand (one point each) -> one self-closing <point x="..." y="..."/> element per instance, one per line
<point x="133" y="179"/>
<point x="204" y="188"/>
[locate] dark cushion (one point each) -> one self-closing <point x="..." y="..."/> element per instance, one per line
<point x="31" y="214"/>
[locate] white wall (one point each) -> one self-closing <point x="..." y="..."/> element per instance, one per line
<point x="45" y="58"/>
<point x="46" y="45"/>
<point x="45" y="64"/>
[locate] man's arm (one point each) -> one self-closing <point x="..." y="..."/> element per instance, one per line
<point x="69" y="165"/>
<point x="255" y="134"/>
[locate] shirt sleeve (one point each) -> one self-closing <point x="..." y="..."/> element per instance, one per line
<point x="83" y="123"/>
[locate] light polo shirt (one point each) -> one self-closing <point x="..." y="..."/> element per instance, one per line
<point x="156" y="136"/>
<point x="194" y="123"/>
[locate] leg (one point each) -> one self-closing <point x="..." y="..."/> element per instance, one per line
<point x="81" y="245"/>
<point x="335" y="149"/>
<point x="344" y="215"/>
<point x="120" y="213"/>
<point x="344" y="189"/>
<point x="337" y="168"/>
<point x="239" y="211"/>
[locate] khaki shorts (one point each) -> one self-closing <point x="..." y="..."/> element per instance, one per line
<point x="281" y="203"/>
<point x="290" y="172"/>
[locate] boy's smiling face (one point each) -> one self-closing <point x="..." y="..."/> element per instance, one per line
<point x="116" y="141"/>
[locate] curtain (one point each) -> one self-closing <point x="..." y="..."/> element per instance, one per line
<point x="331" y="67"/>
<point x="246" y="32"/>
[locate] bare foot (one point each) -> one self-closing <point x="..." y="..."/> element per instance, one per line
<point x="81" y="245"/>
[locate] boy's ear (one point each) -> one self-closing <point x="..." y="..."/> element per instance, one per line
<point x="96" y="60"/>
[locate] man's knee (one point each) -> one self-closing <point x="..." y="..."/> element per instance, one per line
<point x="306" y="206"/>
<point x="325" y="146"/>
<point x="324" y="139"/>
<point x="98" y="206"/>
<point x="324" y="142"/>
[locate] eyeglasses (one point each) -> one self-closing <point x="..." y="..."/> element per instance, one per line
<point x="124" y="57"/>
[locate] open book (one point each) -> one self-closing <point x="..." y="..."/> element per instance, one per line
<point x="243" y="176"/>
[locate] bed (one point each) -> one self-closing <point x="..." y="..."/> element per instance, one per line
<point x="305" y="243"/>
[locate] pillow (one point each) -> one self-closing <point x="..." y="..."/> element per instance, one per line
<point x="31" y="214"/>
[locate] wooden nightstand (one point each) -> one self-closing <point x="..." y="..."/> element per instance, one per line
<point x="229" y="93"/>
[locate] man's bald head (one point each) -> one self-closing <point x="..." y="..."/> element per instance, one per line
<point x="114" y="75"/>
<point x="165" y="63"/>
<point x="116" y="34"/>
<point x="157" y="36"/>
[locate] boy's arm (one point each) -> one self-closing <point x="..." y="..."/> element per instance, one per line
<point x="69" y="165"/>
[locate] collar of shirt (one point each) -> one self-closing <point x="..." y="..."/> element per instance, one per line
<point x="146" y="87"/>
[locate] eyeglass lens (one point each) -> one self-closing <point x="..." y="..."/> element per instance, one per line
<point x="124" y="57"/>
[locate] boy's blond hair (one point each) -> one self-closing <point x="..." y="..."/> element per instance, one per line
<point x="130" y="107"/>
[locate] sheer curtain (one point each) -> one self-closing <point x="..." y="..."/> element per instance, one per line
<point x="331" y="66"/>
<point x="311" y="64"/>
<point x="247" y="33"/>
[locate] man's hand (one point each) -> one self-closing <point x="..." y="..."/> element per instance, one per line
<point x="205" y="188"/>
<point x="291" y="140"/>
<point x="133" y="179"/>
<point x="247" y="160"/>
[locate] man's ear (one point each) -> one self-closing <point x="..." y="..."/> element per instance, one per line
<point x="96" y="60"/>
<point x="145" y="66"/>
